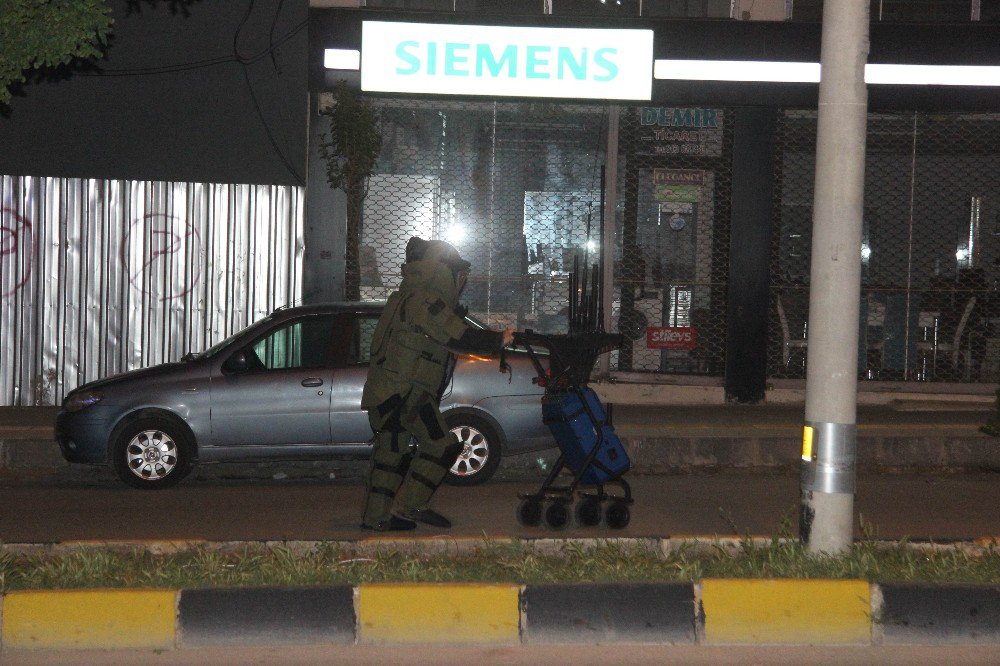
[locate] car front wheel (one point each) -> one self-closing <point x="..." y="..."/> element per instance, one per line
<point x="152" y="453"/>
<point x="480" y="455"/>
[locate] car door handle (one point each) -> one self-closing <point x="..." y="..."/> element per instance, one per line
<point x="312" y="381"/>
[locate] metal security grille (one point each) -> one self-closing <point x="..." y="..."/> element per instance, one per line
<point x="930" y="252"/>
<point x="672" y="254"/>
<point x="516" y="187"/>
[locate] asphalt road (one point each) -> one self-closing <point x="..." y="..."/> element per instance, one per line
<point x="940" y="507"/>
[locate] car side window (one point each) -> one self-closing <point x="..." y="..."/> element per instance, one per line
<point x="364" y="332"/>
<point x="342" y="340"/>
<point x="355" y="344"/>
<point x="304" y="343"/>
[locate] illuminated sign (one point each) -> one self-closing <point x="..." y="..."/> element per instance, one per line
<point x="503" y="61"/>
<point x="671" y="337"/>
<point x="666" y="130"/>
<point x="809" y="72"/>
<point x="678" y="185"/>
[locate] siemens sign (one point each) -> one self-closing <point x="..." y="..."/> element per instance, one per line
<point x="502" y="61"/>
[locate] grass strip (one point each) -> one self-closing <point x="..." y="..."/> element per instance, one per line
<point x="510" y="562"/>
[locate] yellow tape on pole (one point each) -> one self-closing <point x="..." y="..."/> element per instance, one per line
<point x="807" y="443"/>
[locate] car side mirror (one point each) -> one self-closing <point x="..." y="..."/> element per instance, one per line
<point x="235" y="364"/>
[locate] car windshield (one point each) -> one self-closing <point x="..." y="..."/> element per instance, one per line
<point x="219" y="346"/>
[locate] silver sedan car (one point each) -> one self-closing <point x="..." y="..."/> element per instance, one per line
<point x="288" y="387"/>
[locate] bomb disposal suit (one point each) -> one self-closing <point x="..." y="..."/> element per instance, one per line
<point x="410" y="367"/>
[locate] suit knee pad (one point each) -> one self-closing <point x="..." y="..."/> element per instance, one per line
<point x="430" y="420"/>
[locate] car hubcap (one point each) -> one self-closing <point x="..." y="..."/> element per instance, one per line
<point x="151" y="455"/>
<point x="475" y="451"/>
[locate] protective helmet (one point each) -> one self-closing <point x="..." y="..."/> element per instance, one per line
<point x="417" y="249"/>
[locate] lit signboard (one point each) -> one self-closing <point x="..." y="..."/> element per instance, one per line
<point x="503" y="61"/>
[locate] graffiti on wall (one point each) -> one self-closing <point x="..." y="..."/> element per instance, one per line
<point x="162" y="255"/>
<point x="16" y="254"/>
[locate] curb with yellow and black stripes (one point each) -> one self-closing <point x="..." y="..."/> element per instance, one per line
<point x="709" y="612"/>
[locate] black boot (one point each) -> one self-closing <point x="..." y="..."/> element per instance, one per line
<point x="428" y="517"/>
<point x="390" y="524"/>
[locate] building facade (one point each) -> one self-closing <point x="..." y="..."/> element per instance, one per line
<point x="711" y="193"/>
<point x="692" y="201"/>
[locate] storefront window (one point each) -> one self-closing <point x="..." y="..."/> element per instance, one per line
<point x="619" y="8"/>
<point x="923" y="11"/>
<point x="426" y="5"/>
<point x="686" y="8"/>
<point x="501" y="7"/>
<point x="910" y="11"/>
<point x="929" y="258"/>
<point x="514" y="186"/>
<point x="480" y="6"/>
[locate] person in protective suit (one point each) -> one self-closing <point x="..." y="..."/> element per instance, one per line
<point x="411" y="363"/>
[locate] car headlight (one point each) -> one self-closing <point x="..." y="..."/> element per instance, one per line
<point x="75" y="402"/>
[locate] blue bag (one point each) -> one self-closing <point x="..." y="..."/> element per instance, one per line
<point x="576" y="434"/>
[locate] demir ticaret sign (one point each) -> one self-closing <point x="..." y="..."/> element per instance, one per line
<point x="504" y="61"/>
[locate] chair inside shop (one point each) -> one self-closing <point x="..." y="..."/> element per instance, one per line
<point x="874" y="337"/>
<point x="952" y="346"/>
<point x="788" y="342"/>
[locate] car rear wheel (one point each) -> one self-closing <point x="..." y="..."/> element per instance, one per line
<point x="480" y="455"/>
<point x="152" y="453"/>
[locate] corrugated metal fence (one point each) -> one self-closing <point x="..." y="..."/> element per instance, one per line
<point x="99" y="277"/>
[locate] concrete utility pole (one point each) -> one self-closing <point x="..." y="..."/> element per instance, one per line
<point x="826" y="521"/>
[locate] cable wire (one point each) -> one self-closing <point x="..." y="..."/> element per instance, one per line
<point x="238" y="58"/>
<point x="199" y="64"/>
<point x="256" y="104"/>
<point x="267" y="129"/>
<point x="274" y="23"/>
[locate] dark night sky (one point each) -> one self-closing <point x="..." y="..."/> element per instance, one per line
<point x="195" y="125"/>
